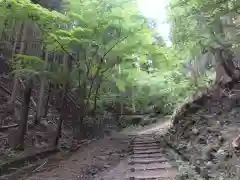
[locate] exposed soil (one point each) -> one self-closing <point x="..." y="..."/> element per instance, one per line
<point x="91" y="159"/>
<point x="205" y="134"/>
<point x="107" y="159"/>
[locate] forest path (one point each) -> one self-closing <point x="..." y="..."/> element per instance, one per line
<point x="84" y="164"/>
<point x="106" y="158"/>
<point x="147" y="159"/>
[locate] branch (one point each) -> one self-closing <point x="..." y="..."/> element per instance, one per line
<point x="69" y="97"/>
<point x="118" y="42"/>
<point x="4" y="128"/>
<point x="108" y="68"/>
<point x="61" y="46"/>
<point x="100" y="65"/>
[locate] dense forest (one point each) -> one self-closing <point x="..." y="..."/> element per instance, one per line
<point x="67" y="67"/>
<point x="101" y="60"/>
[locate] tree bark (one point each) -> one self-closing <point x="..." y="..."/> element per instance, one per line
<point x="68" y="66"/>
<point x="24" y="116"/>
<point x="50" y="87"/>
<point x="79" y="126"/>
<point x="49" y="98"/>
<point x="60" y="122"/>
<point x="11" y="103"/>
<point x="31" y="98"/>
<point x="224" y="60"/>
<point x="41" y="95"/>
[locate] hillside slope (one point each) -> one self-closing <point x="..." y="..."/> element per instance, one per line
<point x="204" y="131"/>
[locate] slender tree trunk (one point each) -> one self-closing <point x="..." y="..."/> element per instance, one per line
<point x="79" y="126"/>
<point x="99" y="80"/>
<point x="6" y="21"/>
<point x="96" y="98"/>
<point x="41" y="95"/>
<point x="60" y="122"/>
<point x="121" y="108"/>
<point x="50" y="87"/>
<point x="68" y="66"/>
<point x="133" y="103"/>
<point x="11" y="103"/>
<point x="24" y="116"/>
<point x="15" y="42"/>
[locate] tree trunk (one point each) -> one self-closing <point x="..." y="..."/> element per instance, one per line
<point x="50" y="86"/>
<point x="60" y="122"/>
<point x="41" y="95"/>
<point x="11" y="103"/>
<point x="15" y="35"/>
<point x="95" y="100"/>
<point x="221" y="76"/>
<point x="24" y="116"/>
<point x="68" y="66"/>
<point x="79" y="126"/>
<point x="225" y="66"/>
<point x="133" y="103"/>
<point x="96" y="95"/>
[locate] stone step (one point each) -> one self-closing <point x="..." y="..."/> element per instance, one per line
<point x="157" y="174"/>
<point x="145" y="148"/>
<point x="149" y="151"/>
<point x="145" y="145"/>
<point x="156" y="155"/>
<point x="152" y="166"/>
<point x="145" y="142"/>
<point x="144" y="139"/>
<point x="147" y="160"/>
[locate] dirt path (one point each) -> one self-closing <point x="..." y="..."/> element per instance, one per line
<point x="88" y="161"/>
<point x="107" y="159"/>
<point x="157" y="128"/>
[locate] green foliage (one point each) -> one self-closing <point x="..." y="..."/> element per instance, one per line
<point x="116" y="57"/>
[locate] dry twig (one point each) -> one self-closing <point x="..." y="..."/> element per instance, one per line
<point x="34" y="170"/>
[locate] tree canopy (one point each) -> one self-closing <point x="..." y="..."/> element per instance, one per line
<point x="108" y="53"/>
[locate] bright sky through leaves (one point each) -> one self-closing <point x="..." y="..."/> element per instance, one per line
<point x="157" y="10"/>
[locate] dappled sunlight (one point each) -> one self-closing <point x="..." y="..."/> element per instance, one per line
<point x="157" y="128"/>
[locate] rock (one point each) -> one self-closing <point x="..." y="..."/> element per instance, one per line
<point x="198" y="162"/>
<point x="121" y="155"/>
<point x="220" y="155"/>
<point x="106" y="166"/>
<point x="93" y="170"/>
<point x="189" y="145"/>
<point x="236" y="142"/>
<point x="104" y="158"/>
<point x="202" y="140"/>
<point x="181" y="147"/>
<point x="221" y="139"/>
<point x="209" y="164"/>
<point x="195" y="131"/>
<point x="207" y="153"/>
<point x="204" y="172"/>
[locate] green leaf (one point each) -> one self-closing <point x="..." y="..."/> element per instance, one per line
<point x="120" y="85"/>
